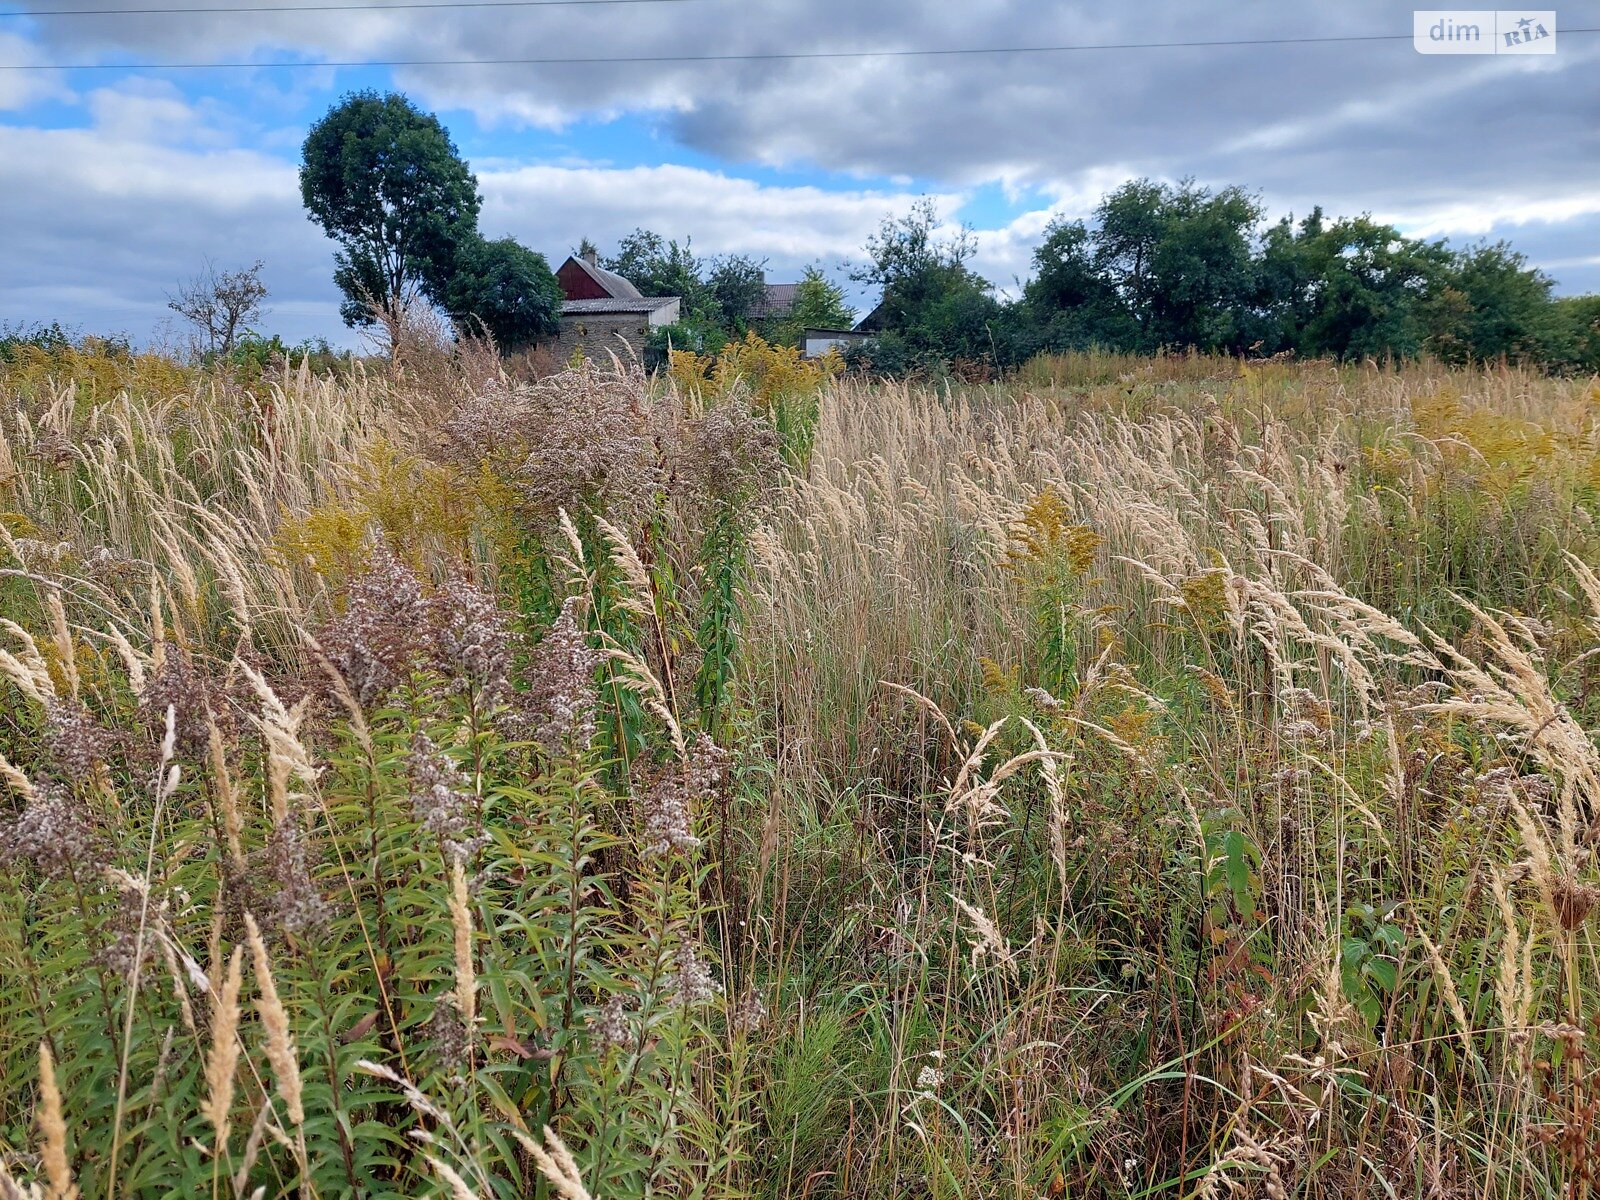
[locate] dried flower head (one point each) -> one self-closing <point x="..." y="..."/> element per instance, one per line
<point x="576" y="441"/>
<point x="195" y="702"/>
<point x="690" y="980"/>
<point x="292" y="901"/>
<point x="471" y="638"/>
<point x="1573" y="901"/>
<point x="609" y="1028"/>
<point x="447" y="1034"/>
<point x="1306" y="718"/>
<point x="54" y="834"/>
<point x="749" y="1014"/>
<point x="53" y="1132"/>
<point x="440" y="793"/>
<point x="1503" y="785"/>
<point x="557" y="708"/>
<point x="669" y="800"/>
<point x="728" y="456"/>
<point x="121" y="951"/>
<point x="385" y="626"/>
<point x="75" y="740"/>
<point x="1044" y="701"/>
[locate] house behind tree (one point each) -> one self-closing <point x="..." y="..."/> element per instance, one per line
<point x="775" y="303"/>
<point x="601" y="311"/>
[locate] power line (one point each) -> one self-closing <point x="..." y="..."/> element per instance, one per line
<point x="775" y="56"/>
<point x="298" y="8"/>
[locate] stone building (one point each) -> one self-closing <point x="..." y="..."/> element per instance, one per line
<point x="603" y="312"/>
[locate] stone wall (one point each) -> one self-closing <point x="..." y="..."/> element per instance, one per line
<point x="598" y="333"/>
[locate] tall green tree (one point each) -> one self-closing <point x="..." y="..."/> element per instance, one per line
<point x="659" y="267"/>
<point x="1488" y="303"/>
<point x="735" y="285"/>
<point x="934" y="309"/>
<point x="385" y="181"/>
<point x="1181" y="259"/>
<point x="505" y="290"/>
<point x="1572" y="334"/>
<point x="1070" y="304"/>
<point x="1352" y="288"/>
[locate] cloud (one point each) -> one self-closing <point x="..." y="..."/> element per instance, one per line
<point x="18" y="89"/>
<point x="555" y="205"/>
<point x="789" y="160"/>
<point x="106" y="219"/>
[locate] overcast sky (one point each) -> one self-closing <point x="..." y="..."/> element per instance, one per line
<point x="117" y="183"/>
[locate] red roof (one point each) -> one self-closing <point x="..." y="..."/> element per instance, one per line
<point x="582" y="280"/>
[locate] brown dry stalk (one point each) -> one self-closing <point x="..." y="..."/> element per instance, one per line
<point x="275" y="1021"/>
<point x="223" y="1056"/>
<point x="53" y="1132"/>
<point x="461" y="919"/>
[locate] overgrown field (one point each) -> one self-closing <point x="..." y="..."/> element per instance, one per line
<point x="1139" y="778"/>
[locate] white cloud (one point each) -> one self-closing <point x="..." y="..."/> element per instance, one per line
<point x="550" y="205"/>
<point x="18" y="89"/>
<point x="106" y="219"/>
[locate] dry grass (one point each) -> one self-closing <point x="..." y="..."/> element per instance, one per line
<point x="1140" y="778"/>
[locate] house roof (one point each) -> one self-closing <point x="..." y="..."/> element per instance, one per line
<point x="775" y="301"/>
<point x="620" y="304"/>
<point x="873" y="321"/>
<point x="614" y="285"/>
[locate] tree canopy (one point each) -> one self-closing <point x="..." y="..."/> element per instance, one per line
<point x="505" y="290"/>
<point x="385" y="181"/>
<point x="933" y="307"/>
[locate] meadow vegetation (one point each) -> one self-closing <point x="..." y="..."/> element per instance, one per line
<point x="1140" y="777"/>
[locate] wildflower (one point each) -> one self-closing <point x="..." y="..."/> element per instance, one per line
<point x="749" y="1014"/>
<point x="929" y="1079"/>
<point x="385" y="624"/>
<point x="1502" y="785"/>
<point x="75" y="739"/>
<point x="471" y="640"/>
<point x="1299" y="731"/>
<point x="109" y="567"/>
<point x="1310" y="719"/>
<point x="56" y="448"/>
<point x="53" y="834"/>
<point x="439" y="791"/>
<point x="37" y="554"/>
<point x="579" y="440"/>
<point x="193" y="700"/>
<point x="669" y="801"/>
<point x="728" y="456"/>
<point x="690" y="979"/>
<point x="1044" y="701"/>
<point x="121" y="950"/>
<point x="608" y="1027"/>
<point x="448" y="1034"/>
<point x="557" y="709"/>
<point x="1573" y="901"/>
<point x="296" y="904"/>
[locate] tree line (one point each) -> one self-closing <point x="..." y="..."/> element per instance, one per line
<point x="1180" y="266"/>
<point x="1158" y="267"/>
